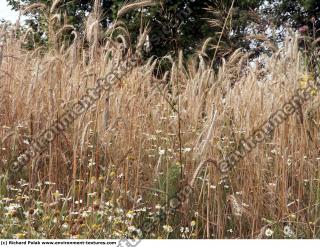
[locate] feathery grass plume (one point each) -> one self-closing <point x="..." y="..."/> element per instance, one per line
<point x="135" y="5"/>
<point x="124" y="42"/>
<point x="235" y="57"/>
<point x="121" y="29"/>
<point x="64" y="28"/>
<point x="54" y="5"/>
<point x="205" y="45"/>
<point x="25" y="36"/>
<point x="142" y="39"/>
<point x="91" y="25"/>
<point x="180" y="60"/>
<point x="222" y="32"/>
<point x="199" y="168"/>
<point x="202" y="145"/>
<point x="33" y="6"/>
<point x="236" y="208"/>
<point x="1" y="54"/>
<point x="315" y="42"/>
<point x="55" y="18"/>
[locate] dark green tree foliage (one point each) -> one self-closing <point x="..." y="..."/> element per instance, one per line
<point x="296" y="13"/>
<point x="174" y="24"/>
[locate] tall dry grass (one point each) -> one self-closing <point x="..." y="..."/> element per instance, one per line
<point x="129" y="148"/>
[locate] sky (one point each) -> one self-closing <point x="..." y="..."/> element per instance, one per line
<point x="6" y="12"/>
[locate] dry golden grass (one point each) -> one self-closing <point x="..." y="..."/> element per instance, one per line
<point x="131" y="146"/>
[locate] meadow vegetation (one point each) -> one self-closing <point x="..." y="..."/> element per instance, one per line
<point x="152" y="134"/>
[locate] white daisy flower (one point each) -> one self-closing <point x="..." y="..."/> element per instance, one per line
<point x="269" y="232"/>
<point x="288" y="232"/>
<point x="161" y="151"/>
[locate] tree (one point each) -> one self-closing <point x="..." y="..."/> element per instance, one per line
<point x="173" y="24"/>
<point x="296" y="13"/>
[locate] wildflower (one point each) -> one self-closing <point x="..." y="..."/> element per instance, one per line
<point x="119" y="210"/>
<point x="193" y="223"/>
<point x="158" y="206"/>
<point x="112" y="174"/>
<point x="95" y="227"/>
<point x="78" y="202"/>
<point x="161" y="151"/>
<point x="167" y="228"/>
<point x="26" y="141"/>
<point x="130" y="214"/>
<point x="305" y="79"/>
<point x="131" y="228"/>
<point x="287" y="231"/>
<point x="57" y="195"/>
<point x="12" y="207"/>
<point x="65" y="226"/>
<point x="144" y="209"/>
<point x="20" y="235"/>
<point x="85" y="214"/>
<point x="269" y="232"/>
<point x="91" y="163"/>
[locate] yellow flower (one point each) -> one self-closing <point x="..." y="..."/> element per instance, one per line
<point x="304" y="80"/>
<point x="193" y="223"/>
<point x="20" y="235"/>
<point x="112" y="174"/>
<point x="130" y="214"/>
<point x="57" y="194"/>
<point x="95" y="227"/>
